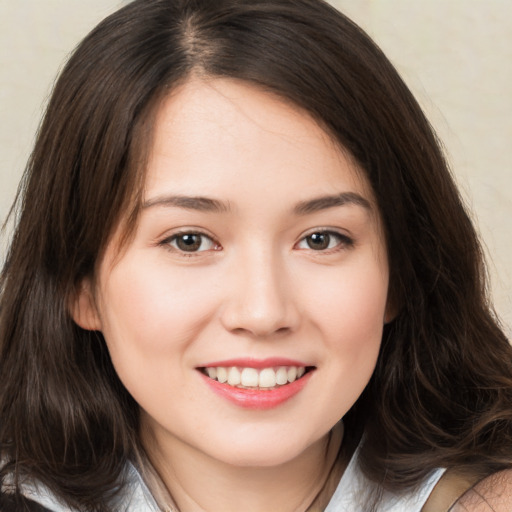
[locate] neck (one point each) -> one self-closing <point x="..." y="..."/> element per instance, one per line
<point x="198" y="483"/>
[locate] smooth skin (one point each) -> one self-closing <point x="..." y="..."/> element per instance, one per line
<point x="259" y="238"/>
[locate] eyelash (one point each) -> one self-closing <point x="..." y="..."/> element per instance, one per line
<point x="343" y="242"/>
<point x="167" y="243"/>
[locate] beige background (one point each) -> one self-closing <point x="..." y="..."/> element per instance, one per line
<point x="456" y="55"/>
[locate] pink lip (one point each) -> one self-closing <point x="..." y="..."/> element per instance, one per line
<point x="256" y="363"/>
<point x="256" y="398"/>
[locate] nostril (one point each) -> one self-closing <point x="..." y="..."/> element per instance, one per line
<point x="262" y="333"/>
<point x="258" y="315"/>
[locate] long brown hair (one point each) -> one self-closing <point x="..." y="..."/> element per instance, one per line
<point x="441" y="394"/>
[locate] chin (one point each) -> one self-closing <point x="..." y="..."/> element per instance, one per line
<point x="264" y="452"/>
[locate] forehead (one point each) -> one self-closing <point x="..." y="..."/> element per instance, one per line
<point x="209" y="133"/>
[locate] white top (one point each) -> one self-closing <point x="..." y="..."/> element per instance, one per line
<point x="348" y="497"/>
<point x="353" y="487"/>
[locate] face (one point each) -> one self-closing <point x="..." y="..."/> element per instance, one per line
<point x="246" y="313"/>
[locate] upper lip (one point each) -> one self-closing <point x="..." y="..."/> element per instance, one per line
<point x="249" y="362"/>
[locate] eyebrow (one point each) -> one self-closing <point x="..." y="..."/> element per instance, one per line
<point x="325" y="202"/>
<point x="202" y="204"/>
<point x="207" y="204"/>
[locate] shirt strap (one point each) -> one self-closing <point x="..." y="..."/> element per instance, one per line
<point x="450" y="487"/>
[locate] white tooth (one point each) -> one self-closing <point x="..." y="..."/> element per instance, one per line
<point x="300" y="372"/>
<point x="222" y="374"/>
<point x="233" y="376"/>
<point x="281" y="376"/>
<point x="267" y="378"/>
<point x="212" y="372"/>
<point x="291" y="374"/>
<point x="249" y="377"/>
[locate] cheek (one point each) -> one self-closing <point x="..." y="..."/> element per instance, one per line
<point x="149" y="317"/>
<point x="151" y="304"/>
<point x="348" y="308"/>
<point x="350" y="302"/>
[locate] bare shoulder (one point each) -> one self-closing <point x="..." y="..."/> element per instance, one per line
<point x="493" y="494"/>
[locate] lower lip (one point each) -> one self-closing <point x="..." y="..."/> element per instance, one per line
<point x="256" y="398"/>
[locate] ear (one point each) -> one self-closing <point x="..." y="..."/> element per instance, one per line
<point x="83" y="308"/>
<point x="390" y="314"/>
<point x="392" y="308"/>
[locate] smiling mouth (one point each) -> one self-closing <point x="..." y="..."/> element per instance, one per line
<point x="252" y="378"/>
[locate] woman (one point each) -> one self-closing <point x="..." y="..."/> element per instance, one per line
<point x="253" y="285"/>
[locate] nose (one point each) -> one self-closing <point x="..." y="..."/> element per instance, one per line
<point x="261" y="301"/>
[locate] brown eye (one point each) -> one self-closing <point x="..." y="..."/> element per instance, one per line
<point x="318" y="241"/>
<point x="191" y="242"/>
<point x="325" y="240"/>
